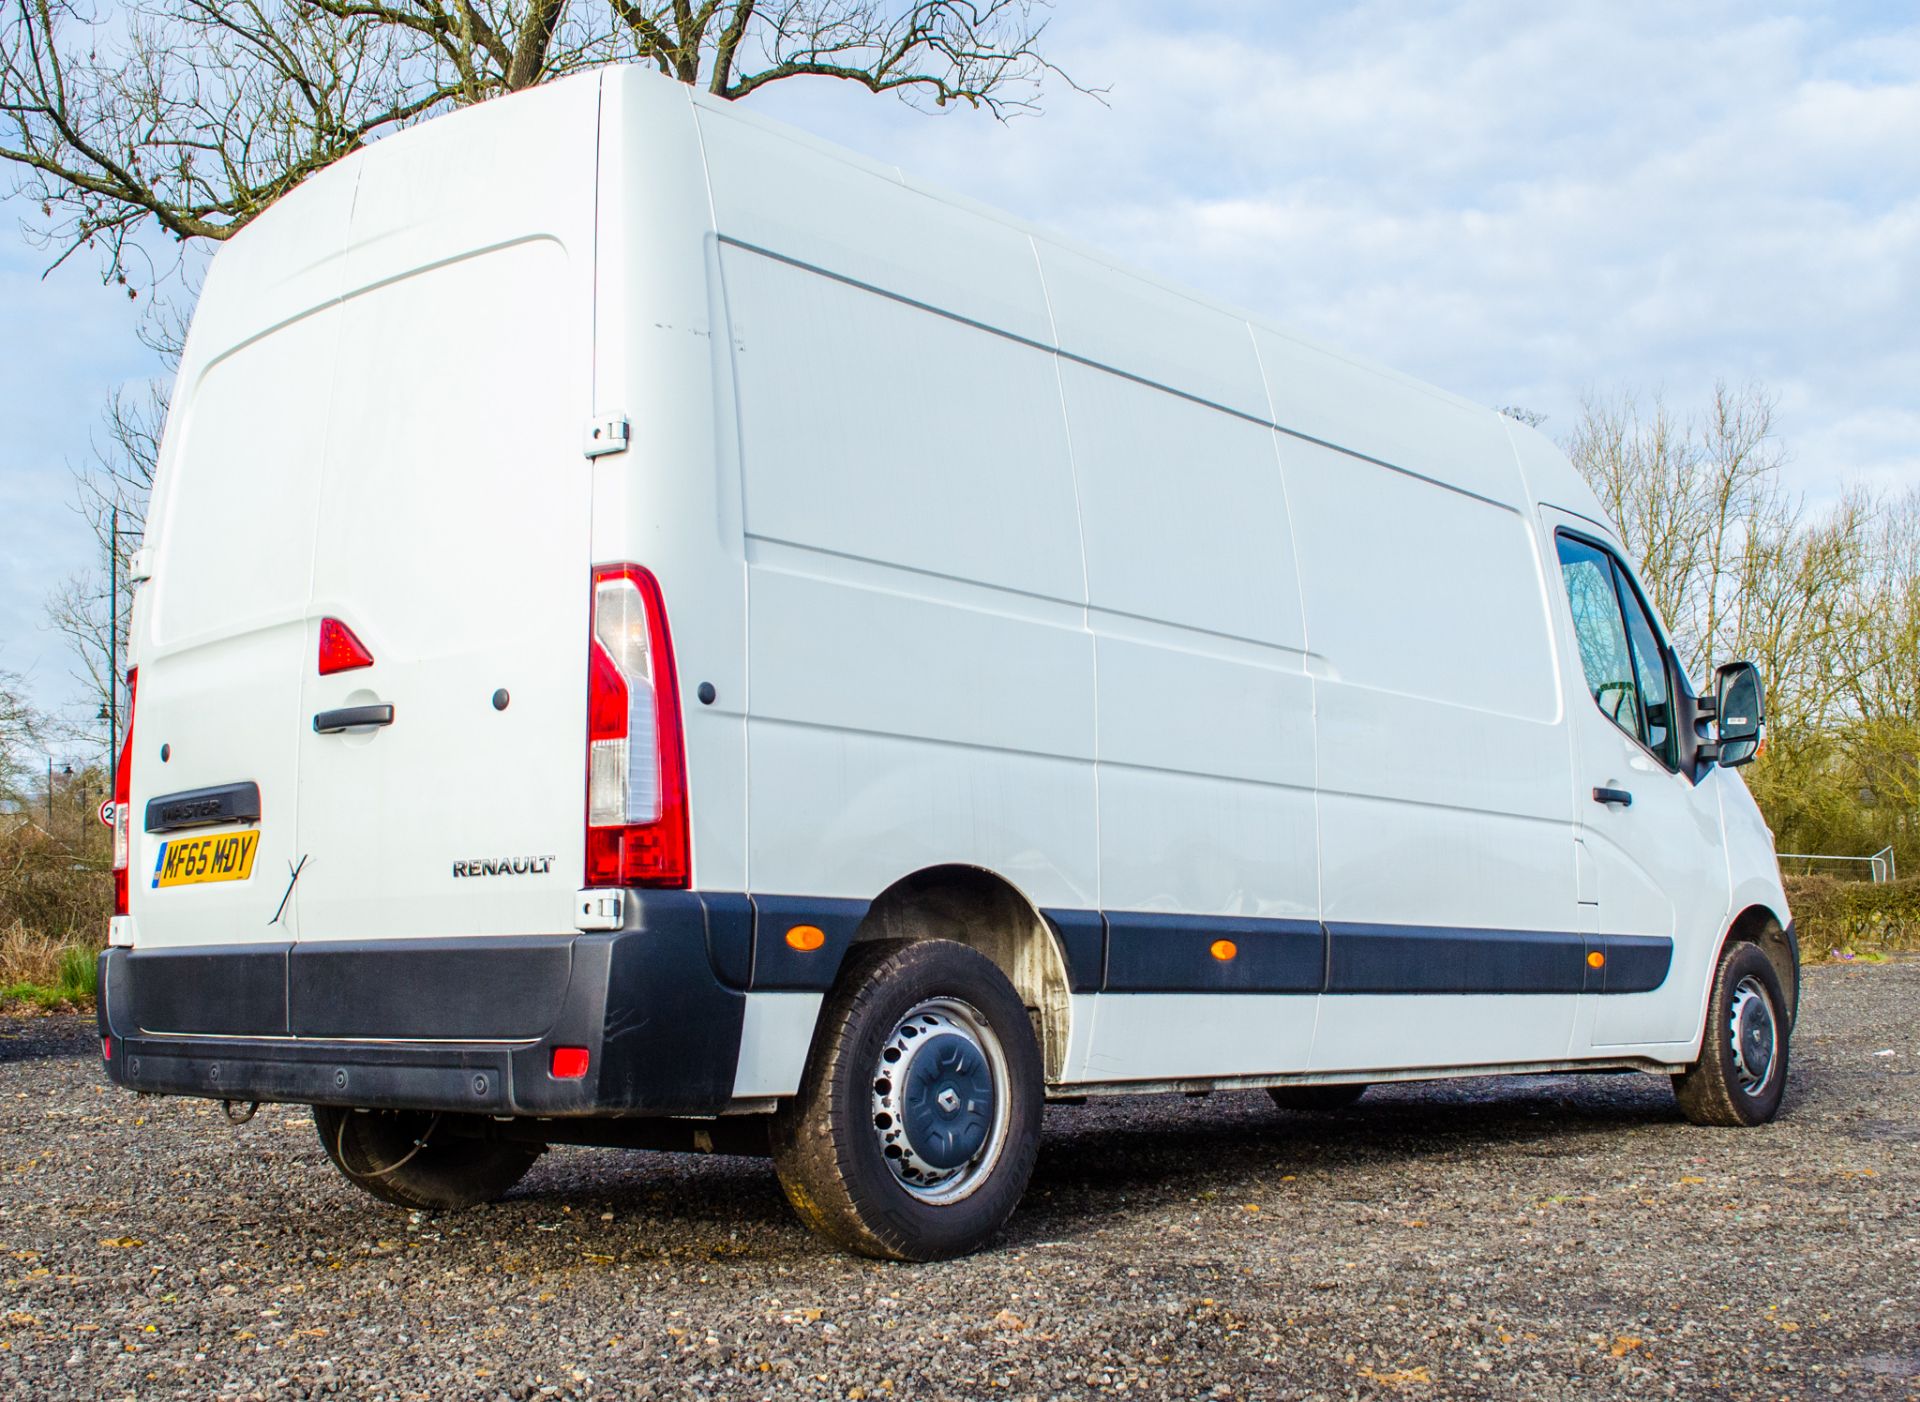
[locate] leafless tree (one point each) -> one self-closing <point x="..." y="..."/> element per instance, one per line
<point x="193" y="116"/>
<point x="91" y="607"/>
<point x="1826" y="602"/>
<point x="19" y="737"/>
<point x="123" y="118"/>
<point x="1692" y="500"/>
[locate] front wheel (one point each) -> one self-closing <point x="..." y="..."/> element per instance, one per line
<point x="1741" y="1075"/>
<point x="918" y="1118"/>
<point x="411" y="1158"/>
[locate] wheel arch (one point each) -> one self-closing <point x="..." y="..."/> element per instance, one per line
<point x="983" y="910"/>
<point x="1758" y="924"/>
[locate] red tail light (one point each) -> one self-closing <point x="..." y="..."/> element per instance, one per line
<point x="123" y="801"/>
<point x="340" y="650"/>
<point x="636" y="770"/>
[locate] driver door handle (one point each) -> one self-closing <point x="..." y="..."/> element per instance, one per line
<point x="1607" y="795"/>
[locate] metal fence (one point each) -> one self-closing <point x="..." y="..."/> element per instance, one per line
<point x="1878" y="867"/>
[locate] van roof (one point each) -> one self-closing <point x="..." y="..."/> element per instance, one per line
<point x="293" y="236"/>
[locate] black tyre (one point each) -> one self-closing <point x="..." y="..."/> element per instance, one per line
<point x="412" y="1158"/>
<point x="1741" y="1075"/>
<point x="1316" y="1098"/>
<point x="918" y="1118"/>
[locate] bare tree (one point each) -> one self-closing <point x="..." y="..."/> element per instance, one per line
<point x="1688" y="497"/>
<point x="1827" y="604"/>
<point x="193" y="116"/>
<point x="92" y="607"/>
<point x="19" y="736"/>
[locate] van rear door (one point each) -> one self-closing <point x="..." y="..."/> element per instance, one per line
<point x="222" y="641"/>
<point x="453" y="541"/>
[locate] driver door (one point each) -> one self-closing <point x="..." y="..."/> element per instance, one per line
<point x="1651" y="832"/>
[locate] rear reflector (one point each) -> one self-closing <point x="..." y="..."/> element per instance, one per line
<point x="106" y="1049"/>
<point x="569" y="1063"/>
<point x="340" y="650"/>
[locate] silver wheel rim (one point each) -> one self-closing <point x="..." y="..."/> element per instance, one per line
<point x="1754" y="1033"/>
<point x="941" y="1100"/>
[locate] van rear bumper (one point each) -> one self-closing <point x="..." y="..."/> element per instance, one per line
<point x="466" y="1025"/>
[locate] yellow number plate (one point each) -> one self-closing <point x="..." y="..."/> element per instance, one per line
<point x="186" y="861"/>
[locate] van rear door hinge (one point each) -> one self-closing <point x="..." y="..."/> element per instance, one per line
<point x="599" y="910"/>
<point x="609" y="433"/>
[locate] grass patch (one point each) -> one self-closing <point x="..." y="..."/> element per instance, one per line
<point x="45" y="973"/>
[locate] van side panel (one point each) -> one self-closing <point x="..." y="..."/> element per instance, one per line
<point x="1205" y="711"/>
<point x="922" y="685"/>
<point x="876" y="430"/>
<point x="1443" y="759"/>
<point x="1113" y="318"/>
<point x="1381" y="414"/>
<point x="777" y="189"/>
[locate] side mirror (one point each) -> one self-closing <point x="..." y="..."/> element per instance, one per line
<point x="1739" y="712"/>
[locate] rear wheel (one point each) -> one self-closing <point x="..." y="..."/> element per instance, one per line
<point x="411" y="1158"/>
<point x="1316" y="1098"/>
<point x="918" y="1119"/>
<point x="1741" y="1076"/>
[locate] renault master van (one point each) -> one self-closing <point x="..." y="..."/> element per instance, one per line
<point x="655" y="631"/>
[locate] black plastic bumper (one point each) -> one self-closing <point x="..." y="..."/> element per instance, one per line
<point x="443" y="1024"/>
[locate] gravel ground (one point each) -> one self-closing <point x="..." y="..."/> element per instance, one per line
<point x="1552" y="1237"/>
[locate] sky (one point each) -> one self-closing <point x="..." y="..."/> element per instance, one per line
<point x="1522" y="203"/>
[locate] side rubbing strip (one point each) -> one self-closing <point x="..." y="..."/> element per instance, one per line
<point x="777" y="964"/>
<point x="1152" y="953"/>
<point x="1414" y="959"/>
<point x="1121" y="951"/>
<point x="1633" y="964"/>
<point x="1083" y="940"/>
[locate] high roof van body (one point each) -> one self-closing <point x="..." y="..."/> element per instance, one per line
<point x="655" y="630"/>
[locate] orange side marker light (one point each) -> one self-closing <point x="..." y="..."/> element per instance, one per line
<point x="806" y="938"/>
<point x="1223" y="950"/>
<point x="1595" y="959"/>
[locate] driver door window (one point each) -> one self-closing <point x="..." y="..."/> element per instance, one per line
<point x="1650" y="665"/>
<point x="1600" y="629"/>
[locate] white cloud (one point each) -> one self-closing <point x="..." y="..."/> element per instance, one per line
<point x="1516" y="202"/>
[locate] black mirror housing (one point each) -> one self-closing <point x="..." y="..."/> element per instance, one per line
<point x="1739" y="711"/>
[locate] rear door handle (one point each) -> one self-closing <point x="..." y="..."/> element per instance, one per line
<point x="355" y="718"/>
<point x="1619" y="796"/>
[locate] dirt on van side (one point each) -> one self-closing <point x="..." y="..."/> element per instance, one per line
<point x="1545" y="1238"/>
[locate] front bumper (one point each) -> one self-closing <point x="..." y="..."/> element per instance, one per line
<point x="463" y="1025"/>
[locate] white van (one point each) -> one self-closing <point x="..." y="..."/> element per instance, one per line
<point x="657" y="631"/>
